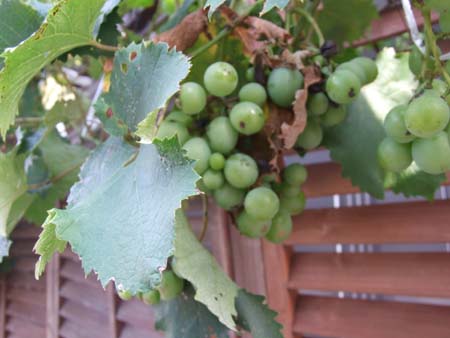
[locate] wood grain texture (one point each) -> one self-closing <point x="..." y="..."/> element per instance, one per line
<point x="411" y="274"/>
<point x="413" y="222"/>
<point x="346" y="318"/>
<point x="53" y="301"/>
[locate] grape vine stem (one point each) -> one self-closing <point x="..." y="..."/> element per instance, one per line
<point x="28" y="120"/>
<point x="313" y="23"/>
<point x="205" y="217"/>
<point x="101" y="46"/>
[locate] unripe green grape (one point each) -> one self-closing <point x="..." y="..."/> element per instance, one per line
<point x="280" y="228"/>
<point x="253" y="92"/>
<point x="197" y="149"/>
<point x="125" y="294"/>
<point x="192" y="98"/>
<point x="394" y="156"/>
<point x="356" y="68"/>
<point x="250" y="74"/>
<point x="151" y="297"/>
<point x="252" y="227"/>
<point x="217" y="161"/>
<point x="241" y="170"/>
<point x="287" y="189"/>
<point x="295" y="174"/>
<point x="220" y="79"/>
<point x="202" y="187"/>
<point x="444" y="21"/>
<point x="169" y="129"/>
<point x="369" y="66"/>
<point x="311" y="137"/>
<point x="415" y="60"/>
<point x="179" y="117"/>
<point x="221" y="135"/>
<point x="317" y="104"/>
<point x="395" y="127"/>
<point x="213" y="179"/>
<point x="334" y="115"/>
<point x="247" y="118"/>
<point x="228" y="197"/>
<point x="293" y="204"/>
<point x="427" y="115"/>
<point x="261" y="203"/>
<point x="171" y="285"/>
<point x="441" y="87"/>
<point x="432" y="155"/>
<point x="343" y="86"/>
<point x="282" y="85"/>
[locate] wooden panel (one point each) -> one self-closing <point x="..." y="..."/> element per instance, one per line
<point x="26" y="281"/>
<point x="415" y="222"/>
<point x="131" y="332"/>
<point x="83" y="316"/>
<point x="87" y="296"/>
<point x="23" y="248"/>
<point x="414" y="274"/>
<point x="2" y="306"/>
<point x="53" y="301"/>
<point x="25" y="231"/>
<point x="136" y="313"/>
<point x="24" y="329"/>
<point x="27" y="296"/>
<point x="345" y="318"/>
<point x="73" y="271"/>
<point x="70" y="329"/>
<point x="26" y="311"/>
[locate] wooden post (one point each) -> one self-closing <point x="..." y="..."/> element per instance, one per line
<point x="53" y="301"/>
<point x="2" y="307"/>
<point x="112" y="309"/>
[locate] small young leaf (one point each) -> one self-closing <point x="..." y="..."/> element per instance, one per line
<point x="184" y="317"/>
<point x="194" y="263"/>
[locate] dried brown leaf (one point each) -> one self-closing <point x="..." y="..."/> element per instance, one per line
<point x="186" y="33"/>
<point x="290" y="132"/>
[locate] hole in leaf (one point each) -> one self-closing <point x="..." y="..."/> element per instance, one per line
<point x="133" y="56"/>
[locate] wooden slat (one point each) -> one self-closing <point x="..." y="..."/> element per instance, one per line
<point x="24" y="328"/>
<point x="73" y="271"/>
<point x="53" y="300"/>
<point x="87" y="296"/>
<point x="412" y="274"/>
<point x="345" y="318"/>
<point x="415" y="222"/>
<point x="132" y="332"/>
<point x="112" y="303"/>
<point x="26" y="296"/>
<point x="26" y="281"/>
<point x="24" y="264"/>
<point x="70" y="329"/>
<point x="26" y="311"/>
<point x="25" y="231"/>
<point x="136" y="313"/>
<point x="84" y="316"/>
<point x="23" y="248"/>
<point x="2" y="306"/>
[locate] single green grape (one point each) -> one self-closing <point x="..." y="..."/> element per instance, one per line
<point x="250" y="74"/>
<point x="317" y="104"/>
<point x="253" y="92"/>
<point x="220" y="79"/>
<point x="295" y="174"/>
<point x="179" y="117"/>
<point x="427" y="115"/>
<point x="261" y="203"/>
<point x="217" y="161"/>
<point x="221" y="135"/>
<point x="213" y="179"/>
<point x="197" y="149"/>
<point x="369" y="66"/>
<point x="168" y="129"/>
<point x="241" y="170"/>
<point x="125" y="294"/>
<point x="343" y="86"/>
<point x="286" y="189"/>
<point x="394" y="156"/>
<point x="415" y="60"/>
<point x="334" y="115"/>
<point x="432" y="155"/>
<point x="151" y="297"/>
<point x="395" y="127"/>
<point x="192" y="98"/>
<point x="280" y="228"/>
<point x="247" y="118"/>
<point x="440" y="87"/>
<point x="252" y="227"/>
<point x="282" y="85"/>
<point x="356" y="68"/>
<point x="294" y="205"/>
<point x="171" y="285"/>
<point x="228" y="197"/>
<point x="202" y="187"/>
<point x="311" y="137"/>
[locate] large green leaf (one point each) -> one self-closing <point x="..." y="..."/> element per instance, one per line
<point x="184" y="317"/>
<point x="346" y="21"/>
<point x="143" y="79"/>
<point x="354" y="142"/>
<point x="70" y="24"/>
<point x="256" y="317"/>
<point x="120" y="216"/>
<point x="194" y="263"/>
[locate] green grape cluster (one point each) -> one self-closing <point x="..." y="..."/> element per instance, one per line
<point x="419" y="131"/>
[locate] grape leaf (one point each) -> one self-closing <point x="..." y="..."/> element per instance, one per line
<point x="354" y="143"/>
<point x="70" y="24"/>
<point x="17" y="22"/>
<point x="439" y="5"/>
<point x="256" y="317"/>
<point x="185" y="317"/>
<point x="269" y="4"/>
<point x="194" y="263"/>
<point x="117" y="201"/>
<point x="18" y="210"/>
<point x="336" y="24"/>
<point x="143" y="79"/>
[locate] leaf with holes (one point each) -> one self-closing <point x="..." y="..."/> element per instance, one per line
<point x="122" y="194"/>
<point x="70" y="24"/>
<point x="185" y="317"/>
<point x="143" y="79"/>
<point x="195" y="264"/>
